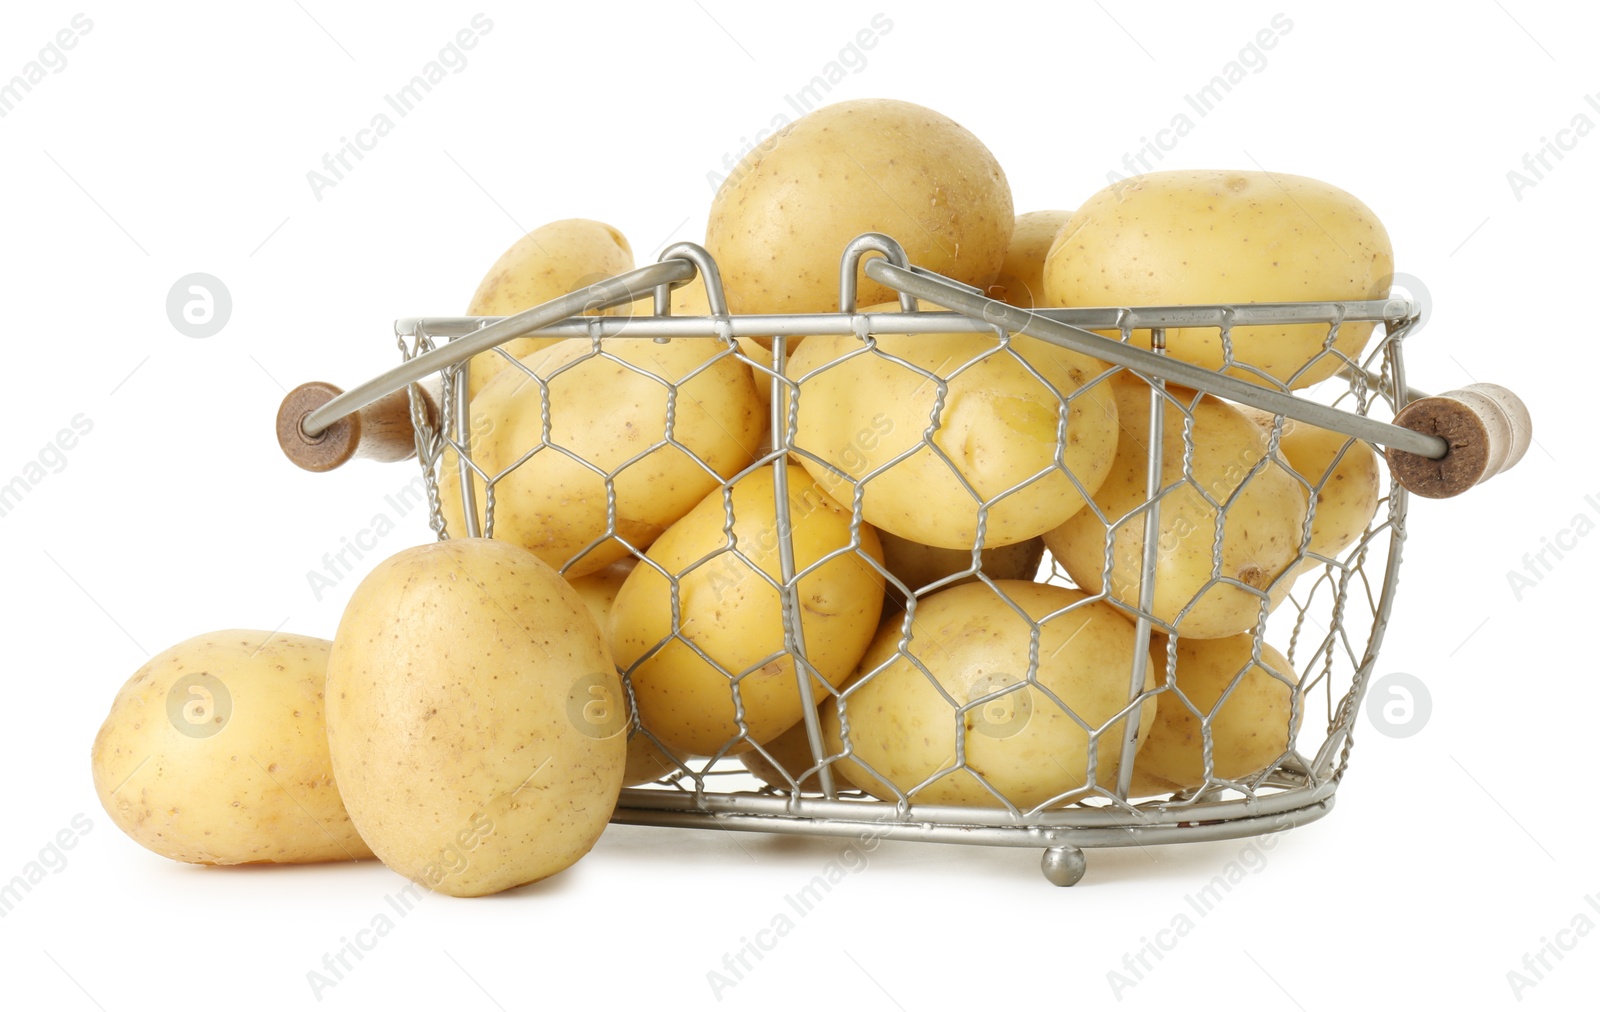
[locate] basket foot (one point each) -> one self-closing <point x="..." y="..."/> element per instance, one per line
<point x="1064" y="866"/>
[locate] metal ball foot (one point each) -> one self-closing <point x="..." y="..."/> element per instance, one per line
<point x="1064" y="866"/>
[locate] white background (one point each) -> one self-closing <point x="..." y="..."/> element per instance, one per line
<point x="178" y="139"/>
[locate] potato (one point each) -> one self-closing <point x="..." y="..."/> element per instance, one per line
<point x="792" y="752"/>
<point x="475" y="717"/>
<point x="646" y="761"/>
<point x="729" y="609"/>
<point x="780" y="222"/>
<point x="1261" y="532"/>
<point x="905" y="731"/>
<point x="1188" y="237"/>
<point x="215" y="753"/>
<point x="545" y="264"/>
<point x="1342" y="471"/>
<point x="998" y="426"/>
<point x="1021" y="278"/>
<point x="1250" y="730"/>
<point x="919" y="566"/>
<point x="606" y="409"/>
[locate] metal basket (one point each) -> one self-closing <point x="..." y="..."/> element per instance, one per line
<point x="1329" y="627"/>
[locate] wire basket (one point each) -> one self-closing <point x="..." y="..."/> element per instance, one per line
<point x="1326" y="613"/>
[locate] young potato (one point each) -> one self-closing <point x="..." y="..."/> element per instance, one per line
<point x="1261" y="530"/>
<point x="1021" y="278"/>
<point x="1192" y="236"/>
<point x="791" y="756"/>
<point x="919" y="566"/>
<point x="606" y="409"/>
<point x="215" y="752"/>
<point x="545" y="264"/>
<point x="998" y="425"/>
<point x="1250" y="729"/>
<point x="781" y="220"/>
<point x="1344" y="474"/>
<point x="729" y="609"/>
<point x="475" y="718"/>
<point x="905" y="732"/>
<point x="646" y="762"/>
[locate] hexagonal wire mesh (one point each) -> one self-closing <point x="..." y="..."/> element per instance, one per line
<point x="950" y="706"/>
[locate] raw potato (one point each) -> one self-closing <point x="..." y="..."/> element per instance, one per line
<point x="606" y="410"/>
<point x="1188" y="237"/>
<point x="1250" y="730"/>
<point x="475" y="718"/>
<point x="215" y="752"/>
<point x="732" y="613"/>
<point x="792" y="751"/>
<point x="545" y="264"/>
<point x="1261" y="530"/>
<point x="781" y="220"/>
<point x="1343" y="472"/>
<point x="998" y="424"/>
<point x="918" y="566"/>
<point x="1024" y="744"/>
<point x="1021" y="278"/>
<point x="646" y="762"/>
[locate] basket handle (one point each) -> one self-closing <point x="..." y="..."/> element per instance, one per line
<point x="1436" y="447"/>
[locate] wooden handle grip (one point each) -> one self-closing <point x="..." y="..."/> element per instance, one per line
<point x="1488" y="429"/>
<point x="380" y="431"/>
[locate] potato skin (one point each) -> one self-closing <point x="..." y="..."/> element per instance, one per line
<point x="475" y="718"/>
<point x="1021" y="278"/>
<point x="545" y="264"/>
<point x="1223" y="236"/>
<point x="215" y="752"/>
<point x="780" y="222"/>
<point x="1347" y="472"/>
<point x="998" y="424"/>
<point x="918" y="566"/>
<point x="1262" y="528"/>
<point x="606" y="409"/>
<point x="732" y="612"/>
<point x="1249" y="731"/>
<point x="973" y="643"/>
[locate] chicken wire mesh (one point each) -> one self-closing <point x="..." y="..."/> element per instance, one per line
<point x="1016" y="751"/>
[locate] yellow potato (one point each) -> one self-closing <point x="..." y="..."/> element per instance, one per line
<point x="215" y="752"/>
<point x="1188" y="237"/>
<point x="646" y="761"/>
<point x="1250" y="730"/>
<point x="1261" y="531"/>
<point x="607" y="410"/>
<point x="905" y="731"/>
<point x="998" y="425"/>
<point x="919" y="566"/>
<point x="732" y="613"/>
<point x="792" y="752"/>
<point x="1342" y="471"/>
<point x="780" y="222"/>
<point x="1021" y="278"/>
<point x="545" y="264"/>
<point x="475" y="718"/>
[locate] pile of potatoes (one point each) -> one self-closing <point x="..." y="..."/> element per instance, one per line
<point x="485" y="699"/>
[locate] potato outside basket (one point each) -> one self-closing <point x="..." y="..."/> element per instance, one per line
<point x="1330" y="627"/>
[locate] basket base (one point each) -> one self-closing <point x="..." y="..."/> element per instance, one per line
<point x="1064" y="866"/>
